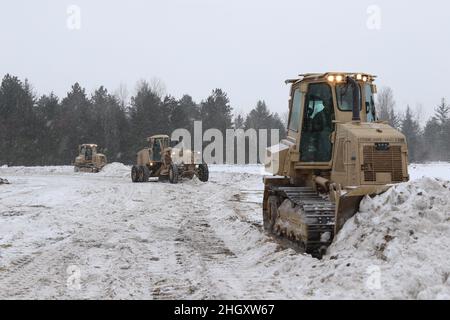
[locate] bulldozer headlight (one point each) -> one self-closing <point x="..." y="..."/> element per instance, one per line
<point x="331" y="78"/>
<point x="339" y="78"/>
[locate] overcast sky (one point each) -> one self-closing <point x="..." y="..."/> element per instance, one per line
<point x="248" y="48"/>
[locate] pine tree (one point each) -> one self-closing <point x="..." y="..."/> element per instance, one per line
<point x="432" y="136"/>
<point x="261" y="118"/>
<point x="436" y="133"/>
<point x="48" y="112"/>
<point x="216" y="111"/>
<point x="442" y="112"/>
<point x="147" y="116"/>
<point x="411" y="129"/>
<point x="191" y="109"/>
<point x="239" y="122"/>
<point x="77" y="121"/>
<point x="110" y="117"/>
<point x="442" y="115"/>
<point x="19" y="126"/>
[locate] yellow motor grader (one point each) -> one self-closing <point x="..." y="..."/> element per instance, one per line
<point x="163" y="160"/>
<point x="88" y="159"/>
<point x="336" y="152"/>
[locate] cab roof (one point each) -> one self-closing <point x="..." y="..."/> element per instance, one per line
<point x="158" y="136"/>
<point x="326" y="75"/>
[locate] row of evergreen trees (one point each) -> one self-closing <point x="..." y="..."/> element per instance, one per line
<point x="45" y="130"/>
<point x="425" y="143"/>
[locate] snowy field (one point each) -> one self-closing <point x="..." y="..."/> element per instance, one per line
<point x="66" y="235"/>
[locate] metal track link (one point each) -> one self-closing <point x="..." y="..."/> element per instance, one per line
<point x="319" y="214"/>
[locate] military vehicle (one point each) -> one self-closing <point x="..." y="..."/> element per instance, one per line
<point x="88" y="159"/>
<point x="336" y="152"/>
<point x="161" y="159"/>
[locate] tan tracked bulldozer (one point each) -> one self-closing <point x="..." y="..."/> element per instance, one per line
<point x="336" y="153"/>
<point x="88" y="159"/>
<point x="163" y="159"/>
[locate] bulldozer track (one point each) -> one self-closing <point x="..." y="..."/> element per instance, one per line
<point x="318" y="217"/>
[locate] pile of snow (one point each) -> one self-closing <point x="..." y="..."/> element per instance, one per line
<point x="116" y="170"/>
<point x="404" y="235"/>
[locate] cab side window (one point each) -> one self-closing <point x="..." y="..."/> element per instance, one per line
<point x="370" y="103"/>
<point x="294" y="119"/>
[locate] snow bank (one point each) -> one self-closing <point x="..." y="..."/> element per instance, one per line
<point x="404" y="234"/>
<point x="116" y="170"/>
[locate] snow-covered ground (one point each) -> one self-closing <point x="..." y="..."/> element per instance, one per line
<point x="71" y="235"/>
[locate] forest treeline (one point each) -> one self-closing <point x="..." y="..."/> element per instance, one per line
<point x="428" y="142"/>
<point x="46" y="130"/>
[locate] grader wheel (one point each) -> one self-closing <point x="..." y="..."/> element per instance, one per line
<point x="173" y="173"/>
<point x="203" y="172"/>
<point x="134" y="174"/>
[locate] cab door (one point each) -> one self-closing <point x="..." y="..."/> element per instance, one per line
<point x="317" y="124"/>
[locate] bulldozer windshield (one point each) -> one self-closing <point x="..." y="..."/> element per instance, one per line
<point x="344" y="95"/>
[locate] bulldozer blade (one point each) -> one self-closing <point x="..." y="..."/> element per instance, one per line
<point x="348" y="204"/>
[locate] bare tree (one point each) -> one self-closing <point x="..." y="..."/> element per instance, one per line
<point x="121" y="94"/>
<point x="386" y="107"/>
<point x="418" y="112"/>
<point x="158" y="87"/>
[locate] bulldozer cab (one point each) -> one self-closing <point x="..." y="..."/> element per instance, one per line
<point x="318" y="102"/>
<point x="88" y="151"/>
<point x="335" y="153"/>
